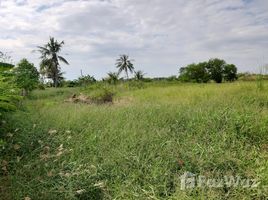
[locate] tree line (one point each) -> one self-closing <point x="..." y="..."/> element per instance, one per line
<point x="214" y="69"/>
<point x="27" y="77"/>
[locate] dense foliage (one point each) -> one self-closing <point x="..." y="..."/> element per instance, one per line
<point x="8" y="96"/>
<point x="215" y="69"/>
<point x="8" y="92"/>
<point x="86" y="80"/>
<point x="5" y="66"/>
<point x="26" y="76"/>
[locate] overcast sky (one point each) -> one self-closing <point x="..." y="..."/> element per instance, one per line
<point x="160" y="35"/>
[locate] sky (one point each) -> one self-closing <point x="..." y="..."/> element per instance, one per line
<point x="159" y="35"/>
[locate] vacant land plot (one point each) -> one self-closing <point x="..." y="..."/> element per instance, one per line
<point x="138" y="146"/>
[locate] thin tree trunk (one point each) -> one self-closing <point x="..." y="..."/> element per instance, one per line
<point x="54" y="81"/>
<point x="127" y="74"/>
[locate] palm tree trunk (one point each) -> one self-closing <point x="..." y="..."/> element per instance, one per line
<point x="56" y="81"/>
<point x="127" y="74"/>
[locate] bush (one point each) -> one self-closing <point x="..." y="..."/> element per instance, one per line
<point x="8" y="94"/>
<point x="86" y="80"/>
<point x="102" y="95"/>
<point x="8" y="99"/>
<point x="5" y="66"/>
<point x="99" y="93"/>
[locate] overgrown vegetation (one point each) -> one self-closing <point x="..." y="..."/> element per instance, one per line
<point x="8" y="97"/>
<point x="8" y="92"/>
<point x="132" y="137"/>
<point x="139" y="147"/>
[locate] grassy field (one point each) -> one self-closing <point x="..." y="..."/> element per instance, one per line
<point x="139" y="146"/>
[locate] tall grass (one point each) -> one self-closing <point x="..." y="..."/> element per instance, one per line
<point x="138" y="147"/>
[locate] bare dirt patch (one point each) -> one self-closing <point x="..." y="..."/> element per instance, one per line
<point x="81" y="98"/>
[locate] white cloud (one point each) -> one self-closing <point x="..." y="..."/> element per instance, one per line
<point x="160" y="35"/>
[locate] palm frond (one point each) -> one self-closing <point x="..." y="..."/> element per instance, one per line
<point x="63" y="60"/>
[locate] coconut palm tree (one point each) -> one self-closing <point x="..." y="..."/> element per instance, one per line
<point x="50" y="59"/>
<point x="123" y="63"/>
<point x="139" y="75"/>
<point x="47" y="70"/>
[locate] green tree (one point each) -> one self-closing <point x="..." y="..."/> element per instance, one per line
<point x="26" y="76"/>
<point x="195" y="72"/>
<point x="123" y="63"/>
<point x="50" y="59"/>
<point x="230" y="72"/>
<point x="215" y="68"/>
<point x="139" y="75"/>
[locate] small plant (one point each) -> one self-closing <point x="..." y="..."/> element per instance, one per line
<point x="260" y="77"/>
<point x="113" y="78"/>
<point x="139" y="75"/>
<point x="259" y="81"/>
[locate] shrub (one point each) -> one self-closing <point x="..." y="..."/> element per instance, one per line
<point x="8" y="96"/>
<point x="86" y="80"/>
<point x="113" y="78"/>
<point x="5" y="66"/>
<point x="102" y="95"/>
<point x="8" y="93"/>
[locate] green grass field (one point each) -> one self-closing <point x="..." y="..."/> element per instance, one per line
<point x="139" y="146"/>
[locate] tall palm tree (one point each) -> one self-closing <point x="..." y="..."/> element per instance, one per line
<point x="123" y="63"/>
<point x="50" y="59"/>
<point x="139" y="75"/>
